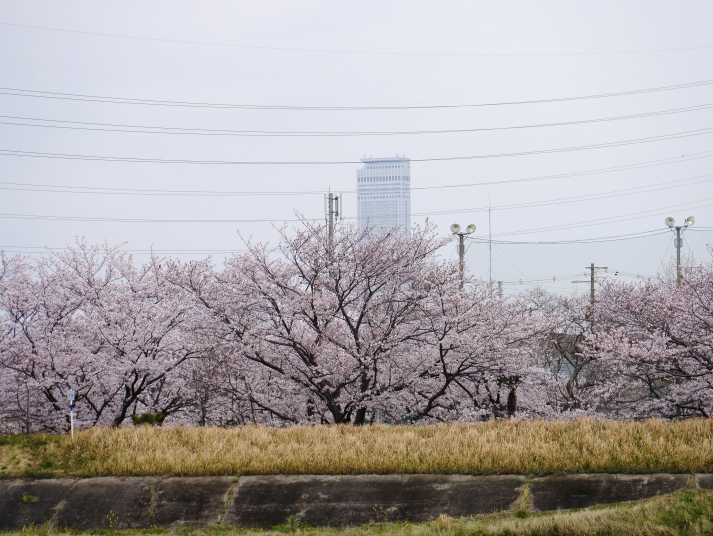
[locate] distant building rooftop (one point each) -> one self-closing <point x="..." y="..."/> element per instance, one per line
<point x="389" y="159"/>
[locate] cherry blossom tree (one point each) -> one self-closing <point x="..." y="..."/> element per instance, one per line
<point x="363" y="326"/>
<point x="475" y="352"/>
<point x="88" y="319"/>
<point x="566" y="372"/>
<point x="316" y="327"/>
<point x="41" y="344"/>
<point x="652" y="346"/>
<point x="343" y="328"/>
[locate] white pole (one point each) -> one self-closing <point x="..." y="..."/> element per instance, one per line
<point x="71" y="396"/>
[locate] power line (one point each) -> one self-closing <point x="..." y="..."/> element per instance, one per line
<point x="627" y="167"/>
<point x="39" y="249"/>
<point x="615" y="238"/>
<point x="143" y="220"/>
<point x="624" y="273"/>
<point x="604" y="221"/>
<point x="634" y="236"/>
<point x="615" y="193"/>
<point x="20" y="92"/>
<point x="589" y="223"/>
<point x="65" y="156"/>
<point x="580" y="198"/>
<point x="353" y="52"/>
<point x="547" y="202"/>
<point x="552" y="278"/>
<point x="152" y="192"/>
<point x="149" y="129"/>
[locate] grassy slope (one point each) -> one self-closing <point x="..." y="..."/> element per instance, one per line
<point x="684" y="513"/>
<point x="515" y="447"/>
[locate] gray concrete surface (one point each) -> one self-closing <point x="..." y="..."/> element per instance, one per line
<point x="266" y="501"/>
<point x="582" y="491"/>
<point x="196" y="501"/>
<point x="31" y="502"/>
<point x="106" y="502"/>
<point x="704" y="481"/>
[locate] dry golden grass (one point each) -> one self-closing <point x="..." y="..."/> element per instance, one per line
<point x="14" y="456"/>
<point x="514" y="447"/>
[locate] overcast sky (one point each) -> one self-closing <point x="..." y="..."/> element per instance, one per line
<point x="363" y="54"/>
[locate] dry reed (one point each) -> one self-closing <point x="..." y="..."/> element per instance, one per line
<point x="514" y="447"/>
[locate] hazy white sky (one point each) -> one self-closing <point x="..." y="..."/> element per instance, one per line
<point x="410" y="54"/>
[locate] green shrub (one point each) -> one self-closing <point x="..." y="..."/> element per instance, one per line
<point x="152" y="419"/>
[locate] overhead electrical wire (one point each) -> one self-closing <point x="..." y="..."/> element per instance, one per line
<point x="146" y="220"/>
<point x="103" y="158"/>
<point x="184" y="131"/>
<point x="40" y="249"/>
<point x="44" y="249"/>
<point x="546" y="202"/>
<point x="579" y="198"/>
<point x="32" y="93"/>
<point x="615" y="193"/>
<point x="63" y="188"/>
<point x="588" y="223"/>
<point x="351" y="52"/>
<point x="612" y="272"/>
<point x="604" y="221"/>
<point x="551" y="278"/>
<point x="615" y="238"/>
<point x="626" y="167"/>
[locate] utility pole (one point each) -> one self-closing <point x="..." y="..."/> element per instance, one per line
<point x="332" y="210"/>
<point x="592" y="269"/>
<point x="461" y="258"/>
<point x="591" y="291"/>
<point x="490" y="247"/>
<point x="679" y="243"/>
<point x="500" y="289"/>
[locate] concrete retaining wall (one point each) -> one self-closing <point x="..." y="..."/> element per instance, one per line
<point x="266" y="501"/>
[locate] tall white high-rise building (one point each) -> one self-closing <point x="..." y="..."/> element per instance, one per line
<point x="384" y="194"/>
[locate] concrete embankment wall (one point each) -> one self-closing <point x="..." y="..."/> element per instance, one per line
<point x="266" y="501"/>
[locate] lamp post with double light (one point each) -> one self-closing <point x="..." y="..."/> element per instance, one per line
<point x="678" y="229"/>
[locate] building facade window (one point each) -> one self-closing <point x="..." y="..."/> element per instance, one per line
<point x="384" y="194"/>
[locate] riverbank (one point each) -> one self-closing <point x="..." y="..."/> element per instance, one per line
<point x="497" y="448"/>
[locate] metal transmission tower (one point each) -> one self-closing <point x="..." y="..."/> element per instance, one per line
<point x="455" y="229"/>
<point x="679" y="241"/>
<point x="592" y="270"/>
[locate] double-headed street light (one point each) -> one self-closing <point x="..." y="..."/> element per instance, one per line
<point x="455" y="229"/>
<point x="678" y="229"/>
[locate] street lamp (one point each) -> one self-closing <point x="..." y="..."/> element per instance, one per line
<point x="455" y="229"/>
<point x="678" y="229"/>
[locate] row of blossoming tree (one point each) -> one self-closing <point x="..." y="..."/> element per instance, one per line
<point x="352" y="329"/>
